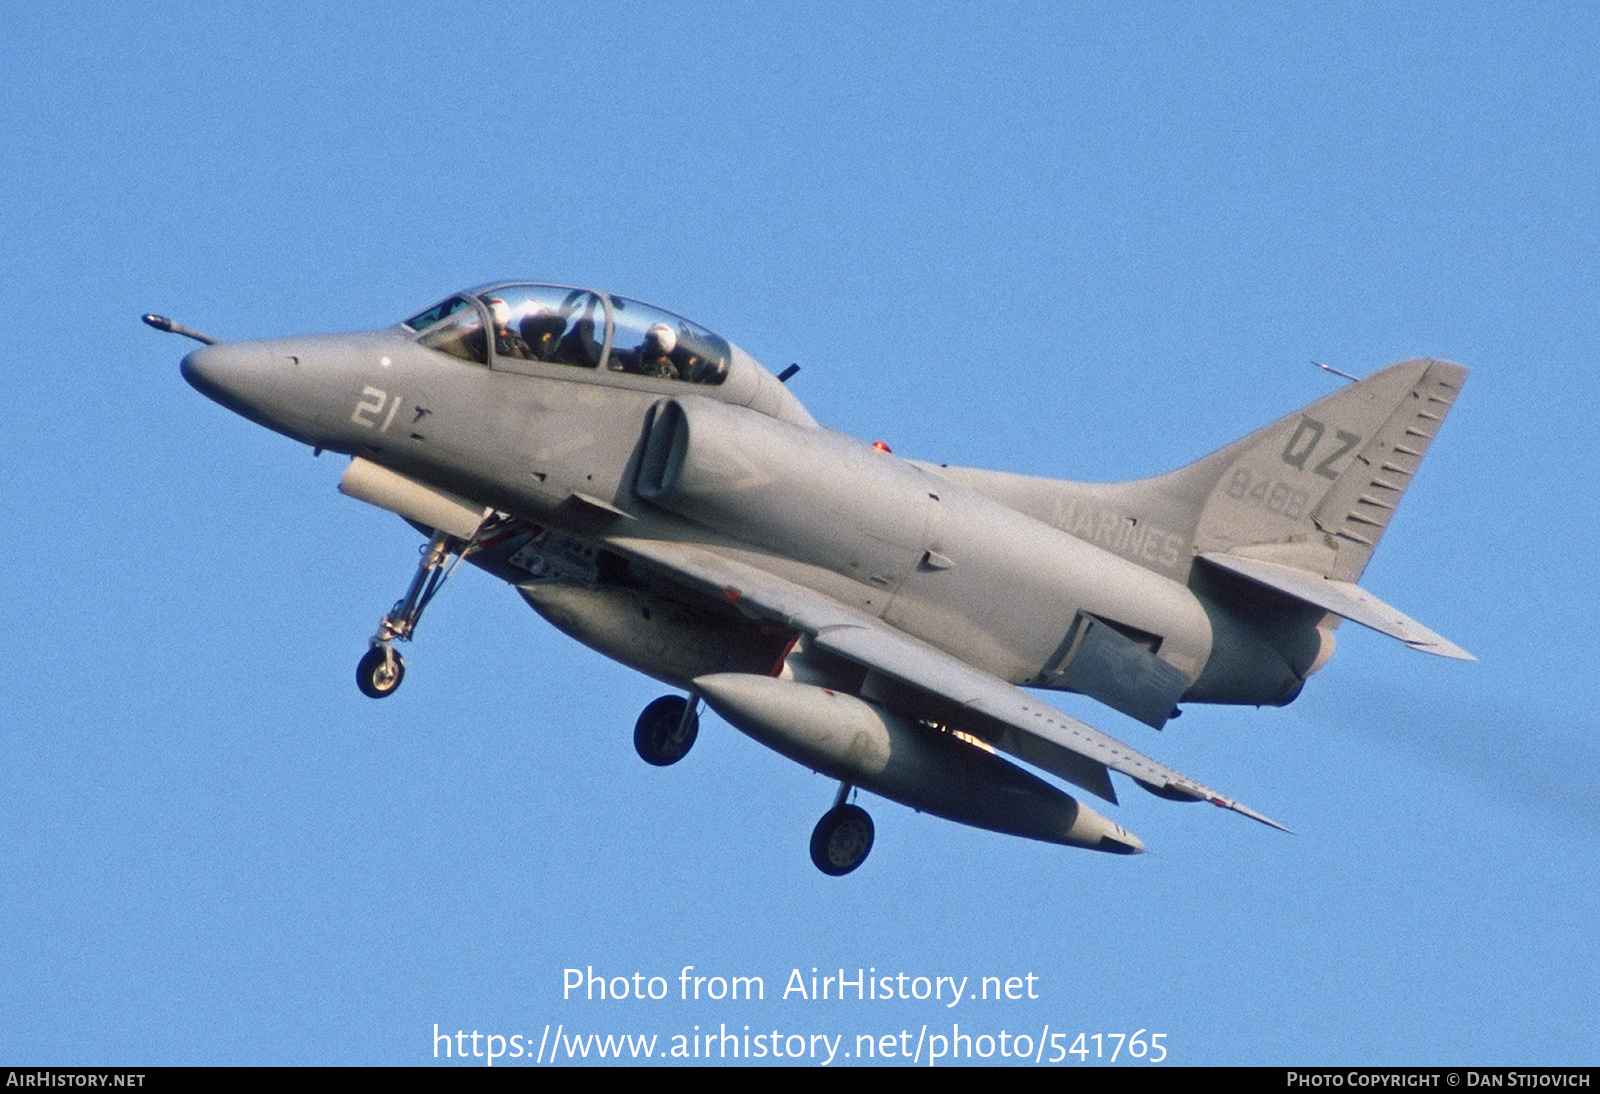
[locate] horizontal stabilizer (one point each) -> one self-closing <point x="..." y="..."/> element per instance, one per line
<point x="1342" y="598"/>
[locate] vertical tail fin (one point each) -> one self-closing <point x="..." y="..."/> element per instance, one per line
<point x="1313" y="491"/>
<point x="1316" y="490"/>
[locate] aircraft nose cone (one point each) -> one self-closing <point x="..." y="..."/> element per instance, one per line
<point x="254" y="379"/>
<point x="228" y="374"/>
<point x="202" y="370"/>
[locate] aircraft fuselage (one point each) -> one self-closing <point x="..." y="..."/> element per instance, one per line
<point x="655" y="493"/>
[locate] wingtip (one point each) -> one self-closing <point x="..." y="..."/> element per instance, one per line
<point x="1237" y="807"/>
<point x="1441" y="647"/>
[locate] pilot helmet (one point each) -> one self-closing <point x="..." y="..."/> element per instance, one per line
<point x="661" y="338"/>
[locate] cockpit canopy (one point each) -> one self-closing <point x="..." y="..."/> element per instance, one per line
<point x="580" y="328"/>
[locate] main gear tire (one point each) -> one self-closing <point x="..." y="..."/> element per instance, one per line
<point x="842" y="840"/>
<point x="663" y="735"/>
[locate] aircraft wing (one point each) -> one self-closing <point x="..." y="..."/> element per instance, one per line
<point x="1011" y="719"/>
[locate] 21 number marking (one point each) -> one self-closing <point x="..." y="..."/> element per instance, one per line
<point x="373" y="403"/>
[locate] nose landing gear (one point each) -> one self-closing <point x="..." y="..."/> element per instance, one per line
<point x="381" y="668"/>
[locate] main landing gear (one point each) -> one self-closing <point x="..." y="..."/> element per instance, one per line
<point x="381" y="669"/>
<point x="843" y="837"/>
<point x="666" y="730"/>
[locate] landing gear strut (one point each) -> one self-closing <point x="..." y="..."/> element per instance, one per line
<point x="381" y="669"/>
<point x="666" y="730"/>
<point x="843" y="837"/>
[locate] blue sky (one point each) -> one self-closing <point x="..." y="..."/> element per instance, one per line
<point x="1091" y="241"/>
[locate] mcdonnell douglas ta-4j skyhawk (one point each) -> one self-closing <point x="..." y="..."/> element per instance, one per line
<point x="655" y="493"/>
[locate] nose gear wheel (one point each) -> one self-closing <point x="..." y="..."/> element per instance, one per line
<point x="380" y="671"/>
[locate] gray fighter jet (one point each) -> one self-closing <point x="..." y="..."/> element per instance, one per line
<point x="655" y="493"/>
